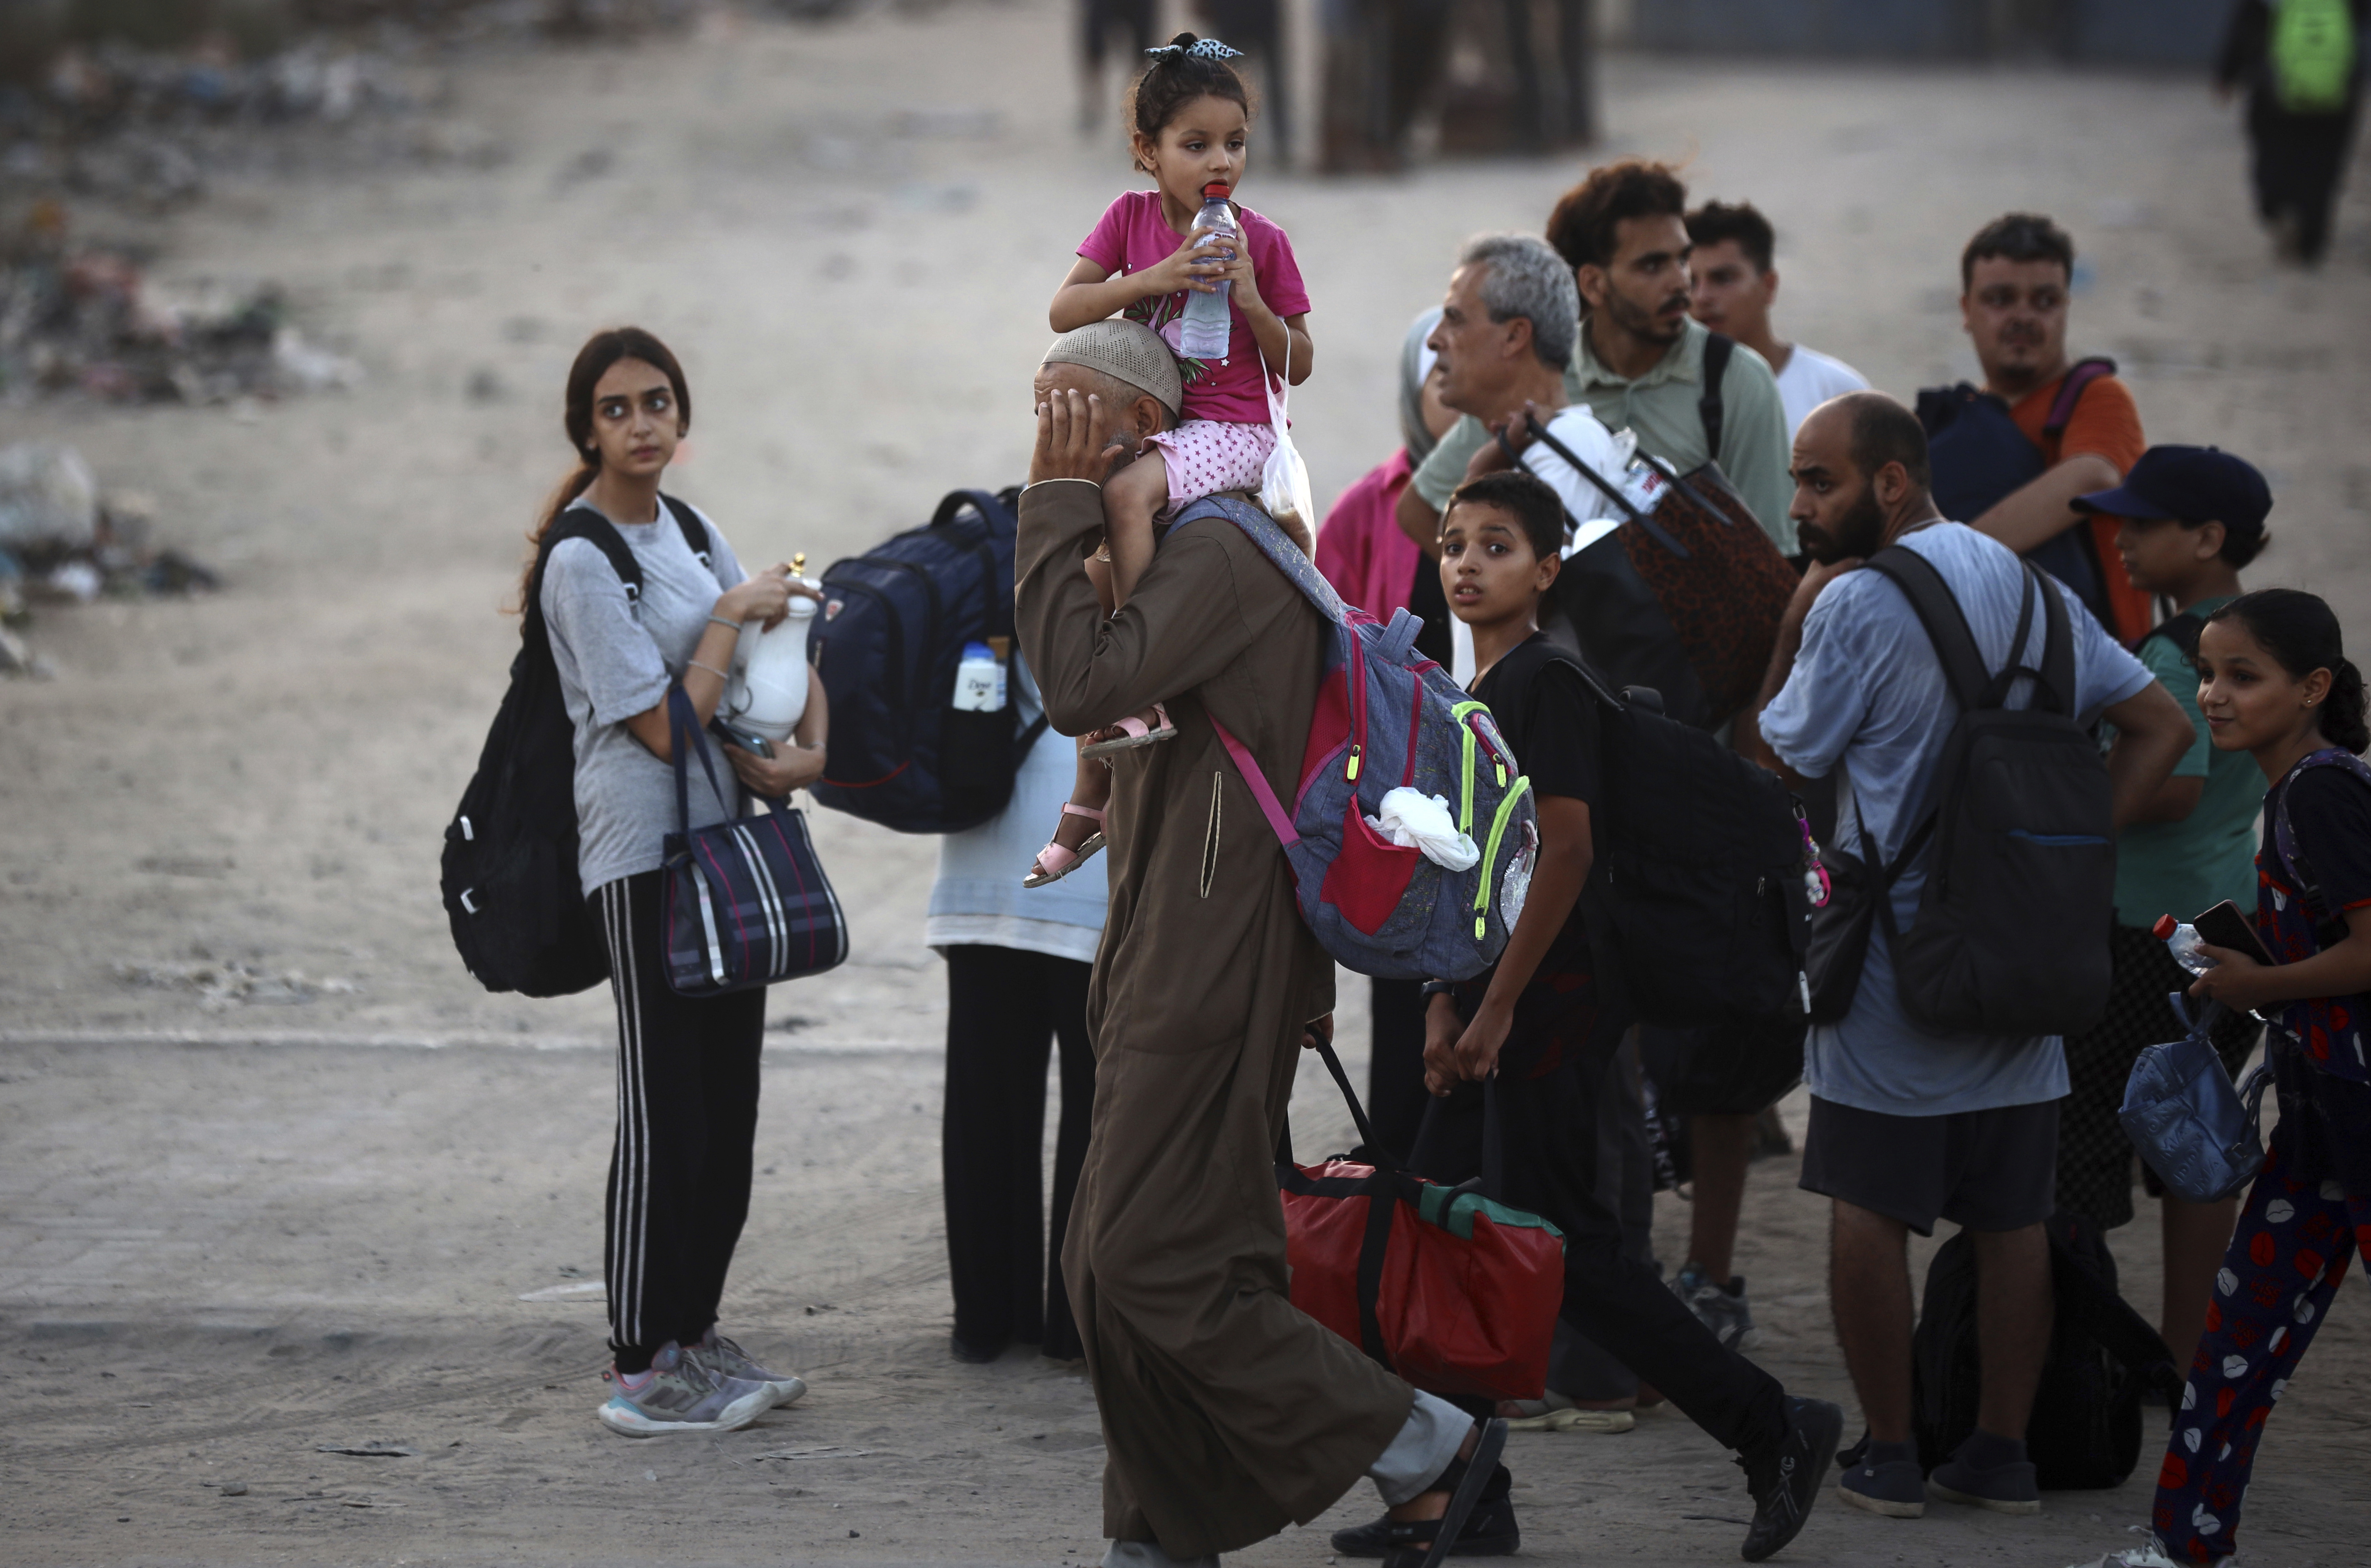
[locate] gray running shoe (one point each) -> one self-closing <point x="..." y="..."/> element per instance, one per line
<point x="728" y="1361"/>
<point x="1722" y="1308"/>
<point x="684" y="1396"/>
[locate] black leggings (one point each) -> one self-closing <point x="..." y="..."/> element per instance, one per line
<point x="686" y="1123"/>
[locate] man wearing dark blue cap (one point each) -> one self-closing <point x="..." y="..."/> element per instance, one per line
<point x="2193" y="516"/>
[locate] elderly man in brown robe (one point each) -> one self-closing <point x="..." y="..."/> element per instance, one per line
<point x="1227" y="1412"/>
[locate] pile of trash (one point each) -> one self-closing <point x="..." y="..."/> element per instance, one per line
<point x="62" y="542"/>
<point x="147" y="123"/>
<point x="87" y="318"/>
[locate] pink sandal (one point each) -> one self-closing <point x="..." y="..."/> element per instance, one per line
<point x="1055" y="861"/>
<point x="1136" y="732"/>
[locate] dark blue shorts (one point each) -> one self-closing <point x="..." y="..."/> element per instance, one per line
<point x="1993" y="1169"/>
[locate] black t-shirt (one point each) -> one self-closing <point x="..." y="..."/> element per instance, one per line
<point x="1548" y="716"/>
<point x="2330" y="811"/>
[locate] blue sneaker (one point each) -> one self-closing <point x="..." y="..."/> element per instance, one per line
<point x="682" y="1396"/>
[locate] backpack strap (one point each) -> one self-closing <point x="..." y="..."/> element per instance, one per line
<point x="998" y="516"/>
<point x="695" y="531"/>
<point x="2291" y="854"/>
<point x="1281" y="552"/>
<point x="2182" y="631"/>
<point x="2055" y="690"/>
<point x="2070" y="392"/>
<point x="1718" y="350"/>
<point x="1947" y="624"/>
<point x="585" y="523"/>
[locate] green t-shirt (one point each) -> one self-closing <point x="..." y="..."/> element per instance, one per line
<point x="2184" y="868"/>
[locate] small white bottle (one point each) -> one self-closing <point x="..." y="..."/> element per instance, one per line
<point x="2184" y="942"/>
<point x="979" y="680"/>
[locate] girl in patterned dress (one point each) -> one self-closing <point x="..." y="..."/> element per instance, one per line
<point x="2275" y="682"/>
<point x="1188" y="119"/>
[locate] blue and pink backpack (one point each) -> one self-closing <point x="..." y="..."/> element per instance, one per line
<point x="1388" y="716"/>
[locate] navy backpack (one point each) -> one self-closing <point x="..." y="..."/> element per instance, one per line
<point x="894" y="624"/>
<point x="1979" y="456"/>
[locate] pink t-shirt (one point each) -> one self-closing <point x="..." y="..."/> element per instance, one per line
<point x="1134" y="236"/>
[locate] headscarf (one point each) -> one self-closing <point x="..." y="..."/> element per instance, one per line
<point x="1416" y="363"/>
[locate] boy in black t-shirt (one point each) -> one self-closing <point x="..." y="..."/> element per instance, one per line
<point x="1518" y="1056"/>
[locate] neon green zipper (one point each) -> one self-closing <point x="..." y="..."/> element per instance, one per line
<point x="1465" y="800"/>
<point x="1490" y="856"/>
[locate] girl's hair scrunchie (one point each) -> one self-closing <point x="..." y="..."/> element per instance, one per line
<point x="1200" y="49"/>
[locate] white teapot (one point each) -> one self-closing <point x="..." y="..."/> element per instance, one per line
<point x="767" y="693"/>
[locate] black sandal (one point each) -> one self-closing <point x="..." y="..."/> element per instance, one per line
<point x="1465" y="1480"/>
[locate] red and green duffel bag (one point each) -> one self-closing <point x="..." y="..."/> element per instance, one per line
<point x="1447" y="1289"/>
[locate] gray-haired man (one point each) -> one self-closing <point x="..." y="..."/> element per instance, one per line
<point x="1508" y="325"/>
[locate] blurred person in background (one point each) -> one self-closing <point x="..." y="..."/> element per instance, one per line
<point x="1383" y="61"/>
<point x="1374" y="566"/>
<point x="2016" y="279"/>
<point x="1736" y="286"/>
<point x="1125" y="28"/>
<point x="1640" y="359"/>
<point x="2301" y="63"/>
<point x="1258" y="27"/>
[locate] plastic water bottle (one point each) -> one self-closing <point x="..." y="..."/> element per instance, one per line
<point x="1203" y="330"/>
<point x="2189" y="948"/>
<point x="980" y="679"/>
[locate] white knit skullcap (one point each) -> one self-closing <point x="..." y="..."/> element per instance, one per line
<point x="1126" y="351"/>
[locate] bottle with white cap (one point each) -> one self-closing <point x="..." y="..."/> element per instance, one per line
<point x="979" y="680"/>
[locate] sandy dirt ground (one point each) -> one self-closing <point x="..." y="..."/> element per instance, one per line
<point x="275" y="1174"/>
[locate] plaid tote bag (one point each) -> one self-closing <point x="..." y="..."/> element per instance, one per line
<point x="747" y="903"/>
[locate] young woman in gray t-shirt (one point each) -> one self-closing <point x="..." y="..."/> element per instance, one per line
<point x="687" y="1069"/>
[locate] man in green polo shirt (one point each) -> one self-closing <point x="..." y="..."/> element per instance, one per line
<point x="1640" y="364"/>
<point x="2192" y="517"/>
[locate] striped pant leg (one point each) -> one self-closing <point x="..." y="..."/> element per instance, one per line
<point x="679" y="1183"/>
<point x="2293" y="1241"/>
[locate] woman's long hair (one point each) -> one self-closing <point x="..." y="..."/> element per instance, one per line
<point x="592" y="362"/>
<point x="2301" y="633"/>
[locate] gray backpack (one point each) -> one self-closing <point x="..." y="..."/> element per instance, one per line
<point x="2011" y="933"/>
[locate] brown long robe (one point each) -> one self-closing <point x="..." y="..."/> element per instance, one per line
<point x="1227" y="1413"/>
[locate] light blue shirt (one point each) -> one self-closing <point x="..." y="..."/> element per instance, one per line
<point x="978" y="898"/>
<point x="1868" y="694"/>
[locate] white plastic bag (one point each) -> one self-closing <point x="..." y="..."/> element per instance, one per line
<point x="1284" y="481"/>
<point x="1414" y="819"/>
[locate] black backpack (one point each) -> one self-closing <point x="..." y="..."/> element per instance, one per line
<point x="1696" y="892"/>
<point x="894" y="624"/>
<point x="2011" y="932"/>
<point x="518" y="913"/>
<point x="1978" y="455"/>
<point x="2085" y="1434"/>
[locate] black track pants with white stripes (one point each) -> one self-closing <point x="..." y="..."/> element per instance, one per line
<point x="687" y="1119"/>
